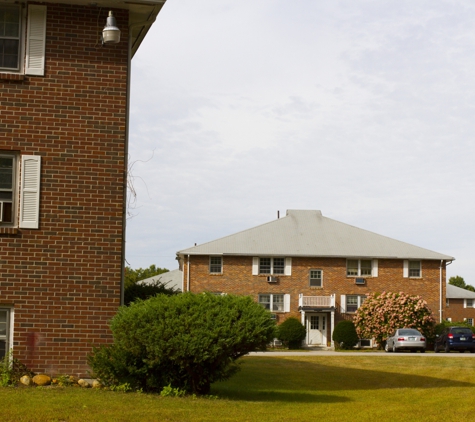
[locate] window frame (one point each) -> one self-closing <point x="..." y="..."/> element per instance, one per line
<point x="354" y="267"/>
<point x="412" y="270"/>
<point x="213" y="266"/>
<point x="310" y="278"/>
<point x="270" y="265"/>
<point x="469" y="303"/>
<point x="276" y="302"/>
<point x="6" y="338"/>
<point x="19" y="37"/>
<point x="13" y="191"/>
<point x="344" y="299"/>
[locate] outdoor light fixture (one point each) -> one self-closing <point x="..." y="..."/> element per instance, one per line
<point x="110" y="33"/>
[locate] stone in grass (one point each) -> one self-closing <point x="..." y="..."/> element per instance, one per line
<point x="96" y="384"/>
<point x="84" y="383"/>
<point x="41" y="379"/>
<point x="25" y="380"/>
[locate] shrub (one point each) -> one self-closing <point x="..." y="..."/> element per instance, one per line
<point x="291" y="332"/>
<point x="185" y="341"/>
<point x="344" y="335"/>
<point x="135" y="291"/>
<point x="381" y="314"/>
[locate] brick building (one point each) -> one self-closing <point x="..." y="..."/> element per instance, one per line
<point x="460" y="305"/>
<point x="64" y="98"/>
<point x="314" y="268"/>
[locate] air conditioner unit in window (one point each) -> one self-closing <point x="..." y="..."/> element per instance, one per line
<point x="360" y="281"/>
<point x="271" y="279"/>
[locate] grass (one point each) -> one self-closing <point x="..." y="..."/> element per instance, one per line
<point x="279" y="388"/>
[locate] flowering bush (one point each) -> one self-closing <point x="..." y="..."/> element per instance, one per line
<point x="381" y="314"/>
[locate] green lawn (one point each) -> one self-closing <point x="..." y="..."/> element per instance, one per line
<point x="303" y="388"/>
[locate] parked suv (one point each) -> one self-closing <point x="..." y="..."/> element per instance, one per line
<point x="455" y="338"/>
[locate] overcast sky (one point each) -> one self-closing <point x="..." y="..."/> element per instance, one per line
<point x="362" y="109"/>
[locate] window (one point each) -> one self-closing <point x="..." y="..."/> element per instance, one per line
<point x="361" y="267"/>
<point x="12" y="39"/>
<point x="350" y="303"/>
<point x="272" y="266"/>
<point x="28" y="187"/>
<point x="447" y="302"/>
<point x="215" y="264"/>
<point x="414" y="268"/>
<point x="468" y="303"/>
<point x="7" y="188"/>
<point x="469" y="321"/>
<point x="10" y="30"/>
<point x="315" y="277"/>
<point x="275" y="302"/>
<point x="4" y="332"/>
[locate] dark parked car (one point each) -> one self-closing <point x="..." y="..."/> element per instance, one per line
<point x="455" y="338"/>
<point x="406" y="339"/>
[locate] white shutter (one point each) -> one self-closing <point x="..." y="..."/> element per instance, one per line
<point x="288" y="266"/>
<point x="374" y="268"/>
<point x="405" y="271"/>
<point x="465" y="303"/>
<point x="35" y="40"/>
<point x="343" y="304"/>
<point x="30" y="191"/>
<point x="286" y="303"/>
<point x="255" y="265"/>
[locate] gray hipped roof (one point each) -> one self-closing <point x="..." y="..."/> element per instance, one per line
<point x="308" y="233"/>
<point x="454" y="292"/>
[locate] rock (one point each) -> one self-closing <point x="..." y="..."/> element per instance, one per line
<point x="73" y="379"/>
<point x="96" y="384"/>
<point x="84" y="383"/>
<point x="25" y="380"/>
<point x="42" y="379"/>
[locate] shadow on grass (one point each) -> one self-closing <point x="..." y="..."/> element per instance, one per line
<point x="308" y="380"/>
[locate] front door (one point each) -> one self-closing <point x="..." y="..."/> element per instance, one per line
<point x="317" y="329"/>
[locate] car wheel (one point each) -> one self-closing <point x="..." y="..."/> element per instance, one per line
<point x="386" y="348"/>
<point x="447" y="348"/>
<point x="436" y="349"/>
<point x="423" y="350"/>
<point x="394" y="348"/>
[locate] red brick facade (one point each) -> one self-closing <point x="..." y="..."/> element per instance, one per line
<point x="237" y="278"/>
<point x="457" y="311"/>
<point x="62" y="281"/>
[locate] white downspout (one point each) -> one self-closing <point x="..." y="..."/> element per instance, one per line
<point x="440" y="293"/>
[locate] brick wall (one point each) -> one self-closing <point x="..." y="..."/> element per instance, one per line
<point x="237" y="278"/>
<point x="63" y="280"/>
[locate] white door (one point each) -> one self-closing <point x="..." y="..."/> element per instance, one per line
<point x="317" y="329"/>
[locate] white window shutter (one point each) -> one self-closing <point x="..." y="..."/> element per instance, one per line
<point x="343" y="304"/>
<point x="465" y="303"/>
<point x="288" y="266"/>
<point x="255" y="265"/>
<point x="30" y="191"/>
<point x="287" y="303"/>
<point x="35" y="40"/>
<point x="374" y="267"/>
<point x="405" y="271"/>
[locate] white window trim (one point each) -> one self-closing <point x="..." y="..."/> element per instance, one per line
<point x="374" y="267"/>
<point x="287" y="265"/>
<point x="405" y="271"/>
<point x="321" y="278"/>
<point x="468" y="321"/>
<point x="343" y="305"/>
<point x="465" y="305"/>
<point x="221" y="264"/>
<point x="9" y="334"/>
<point x="271" y="295"/>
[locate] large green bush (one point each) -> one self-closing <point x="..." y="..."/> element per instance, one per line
<point x="135" y="291"/>
<point x="185" y="341"/>
<point x="344" y="335"/>
<point x="291" y="332"/>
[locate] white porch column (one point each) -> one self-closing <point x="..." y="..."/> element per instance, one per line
<point x="332" y="319"/>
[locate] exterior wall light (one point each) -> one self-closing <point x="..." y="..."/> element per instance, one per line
<point x="110" y="33"/>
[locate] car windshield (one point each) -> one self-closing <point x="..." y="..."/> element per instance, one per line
<point x="466" y="331"/>
<point x="409" y="333"/>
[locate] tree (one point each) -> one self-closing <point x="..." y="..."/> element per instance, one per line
<point x="381" y="314"/>
<point x="185" y="341"/>
<point x="132" y="276"/>
<point x="291" y="332"/>
<point x="460" y="282"/>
